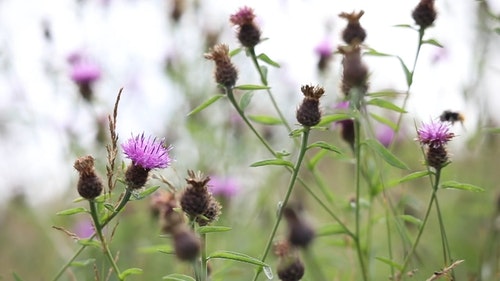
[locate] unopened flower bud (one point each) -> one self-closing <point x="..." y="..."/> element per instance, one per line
<point x="225" y="72"/>
<point x="196" y="197"/>
<point x="290" y="269"/>
<point x="308" y="113"/>
<point x="89" y="184"/>
<point x="353" y="34"/>
<point x="425" y="13"/>
<point x="211" y="214"/>
<point x="186" y="244"/>
<point x="354" y="72"/>
<point x="300" y="232"/>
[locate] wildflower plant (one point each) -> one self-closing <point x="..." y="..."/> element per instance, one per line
<point x="188" y="212"/>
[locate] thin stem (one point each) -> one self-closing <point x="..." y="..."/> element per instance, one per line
<point x="424" y="222"/>
<point x="98" y="229"/>
<point x="117" y="210"/>
<point x="357" y="230"/>
<point x="204" y="275"/>
<point x="296" y="168"/>
<point x="264" y="82"/>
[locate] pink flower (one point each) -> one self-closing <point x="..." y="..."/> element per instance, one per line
<point x="85" y="72"/>
<point x="434" y="134"/>
<point x="148" y="153"/>
<point x="224" y="187"/>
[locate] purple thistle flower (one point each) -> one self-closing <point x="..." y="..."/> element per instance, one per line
<point x="84" y="72"/>
<point x="434" y="134"/>
<point x="148" y="153"/>
<point x="324" y="49"/>
<point x="244" y="15"/>
<point x="224" y="187"/>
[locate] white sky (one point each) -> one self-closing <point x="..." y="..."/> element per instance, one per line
<point x="131" y="39"/>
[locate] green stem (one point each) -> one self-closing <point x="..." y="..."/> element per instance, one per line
<point x="296" y="168"/>
<point x="357" y="230"/>
<point x="204" y="274"/>
<point x="264" y="82"/>
<point x="424" y="222"/>
<point x="105" y="247"/>
<point x="117" y="210"/>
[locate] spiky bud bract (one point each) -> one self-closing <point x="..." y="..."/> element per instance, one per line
<point x="225" y="72"/>
<point x="353" y="34"/>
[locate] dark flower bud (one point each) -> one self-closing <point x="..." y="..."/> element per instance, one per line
<point x="136" y="176"/>
<point x="308" y="113"/>
<point x="186" y="244"/>
<point x="89" y="184"/>
<point x="290" y="268"/>
<point x="225" y="72"/>
<point x="164" y="205"/>
<point x="437" y="156"/>
<point x="353" y="34"/>
<point x="248" y="32"/>
<point x="354" y="72"/>
<point x="347" y="132"/>
<point x="211" y="214"/>
<point x="196" y="197"/>
<point x="300" y="233"/>
<point x="425" y="13"/>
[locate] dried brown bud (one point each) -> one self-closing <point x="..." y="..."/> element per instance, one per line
<point x="225" y="72"/>
<point x="355" y="72"/>
<point x="89" y="185"/>
<point x="186" y="244"/>
<point x="353" y="34"/>
<point x="196" y="197"/>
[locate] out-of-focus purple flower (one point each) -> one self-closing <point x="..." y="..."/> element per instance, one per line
<point x="324" y="48"/>
<point x="85" y="72"/>
<point x="244" y="15"/>
<point x="148" y="153"/>
<point x="346" y="125"/>
<point x="224" y="187"/>
<point x="434" y="134"/>
<point x="84" y="228"/>
<point x="385" y="135"/>
<point x="440" y="55"/>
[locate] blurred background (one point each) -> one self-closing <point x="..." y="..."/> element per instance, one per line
<point x="62" y="64"/>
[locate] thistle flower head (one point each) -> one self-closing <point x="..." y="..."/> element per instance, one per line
<point x="148" y="153"/>
<point x="309" y="113"/>
<point x="434" y="134"/>
<point x="353" y="34"/>
<point x="248" y="31"/>
<point x="244" y="15"/>
<point x="225" y="72"/>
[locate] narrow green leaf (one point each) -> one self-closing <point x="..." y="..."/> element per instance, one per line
<point x="383" y="94"/>
<point x="385" y="104"/>
<point x="410" y="177"/>
<point x="390" y="158"/>
<point x="316" y="158"/>
<point x="391" y="263"/>
<point x="266" y="59"/>
<point x="275" y="162"/>
<point x="330" y="229"/>
<point x="327" y="119"/>
<point x="157" y="248"/>
<point x="373" y="52"/>
<point x="72" y="211"/>
<point x="228" y="255"/>
<point x="405" y="26"/>
<point x="384" y="120"/>
<point x="130" y="271"/>
<point x="251" y="87"/>
<point x="492" y="130"/>
<point x="109" y="206"/>
<point x="89" y="242"/>
<point x="433" y="42"/>
<point x="264" y="71"/>
<point x="265" y="119"/>
<point x="146" y="192"/>
<point x="411" y="219"/>
<point x="408" y="74"/>
<point x="245" y="100"/>
<point x="16" y="277"/>
<point x="178" y="277"/>
<point x="462" y="186"/>
<point x="234" y="52"/>
<point x="82" y="263"/>
<point x="210" y="229"/>
<point x="205" y="104"/>
<point x="297" y="132"/>
<point x="324" y="145"/>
